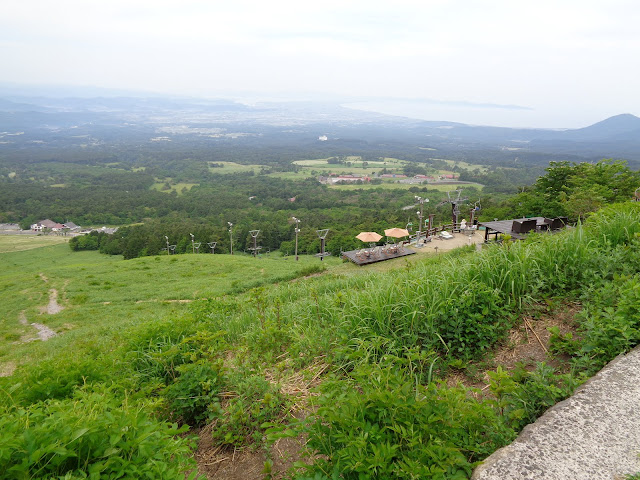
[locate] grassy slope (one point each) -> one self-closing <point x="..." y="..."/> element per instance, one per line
<point x="456" y="308"/>
<point x="100" y="291"/>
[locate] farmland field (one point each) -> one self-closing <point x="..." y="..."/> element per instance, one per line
<point x="232" y="167"/>
<point x="441" y="187"/>
<point x="16" y="243"/>
<point x="173" y="187"/>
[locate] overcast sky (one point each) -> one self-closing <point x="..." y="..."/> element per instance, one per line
<point x="536" y="63"/>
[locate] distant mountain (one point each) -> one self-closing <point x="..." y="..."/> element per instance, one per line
<point x="617" y="126"/>
<point x="11" y="106"/>
<point x="614" y="137"/>
<point x="142" y="119"/>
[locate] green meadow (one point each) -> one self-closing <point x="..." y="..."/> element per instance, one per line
<point x="233" y="167"/>
<point x="106" y="292"/>
<point x="178" y="187"/>
<point x="320" y="166"/>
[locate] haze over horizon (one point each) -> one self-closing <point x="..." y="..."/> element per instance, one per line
<point x="544" y="64"/>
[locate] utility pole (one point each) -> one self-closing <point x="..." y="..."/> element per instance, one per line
<point x="168" y="250"/>
<point x="231" y="235"/>
<point x="297" y="230"/>
<point x="193" y="245"/>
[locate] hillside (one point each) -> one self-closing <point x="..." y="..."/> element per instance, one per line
<point x="273" y="362"/>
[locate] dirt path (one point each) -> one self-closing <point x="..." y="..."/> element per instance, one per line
<point x="44" y="332"/>
<point x="53" y="306"/>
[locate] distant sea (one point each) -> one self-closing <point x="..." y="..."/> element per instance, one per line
<point x="498" y="116"/>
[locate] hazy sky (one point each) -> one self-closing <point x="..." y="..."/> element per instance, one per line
<point x="566" y="63"/>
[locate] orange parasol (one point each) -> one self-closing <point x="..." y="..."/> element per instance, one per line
<point x="368" y="236"/>
<point x="396" y="232"/>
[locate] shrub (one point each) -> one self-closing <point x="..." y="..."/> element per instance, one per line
<point x="92" y="435"/>
<point x="380" y="424"/>
<point x="193" y="396"/>
<point x="610" y="323"/>
<point x="254" y="403"/>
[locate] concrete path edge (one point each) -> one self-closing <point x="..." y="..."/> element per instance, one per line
<point x="592" y="435"/>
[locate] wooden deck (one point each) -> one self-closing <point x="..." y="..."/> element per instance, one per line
<point x="505" y="227"/>
<point x="381" y="257"/>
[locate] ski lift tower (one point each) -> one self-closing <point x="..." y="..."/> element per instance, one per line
<point x="455" y="205"/>
<point x="254" y="234"/>
<point x="170" y="248"/>
<point x="297" y="230"/>
<point x="322" y="235"/>
<point x="212" y="246"/>
<point x="475" y="211"/>
<point x="420" y="201"/>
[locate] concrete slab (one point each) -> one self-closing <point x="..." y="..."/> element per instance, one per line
<point x="593" y="435"/>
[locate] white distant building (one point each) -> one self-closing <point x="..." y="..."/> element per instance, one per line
<point x="333" y="179"/>
<point x="54" y="226"/>
<point x="50" y="224"/>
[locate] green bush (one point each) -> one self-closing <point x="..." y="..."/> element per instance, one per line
<point x="610" y="323"/>
<point x="521" y="396"/>
<point x="59" y="377"/>
<point x="380" y="424"/>
<point x="94" y="434"/>
<point x="254" y="402"/>
<point x="193" y="396"/>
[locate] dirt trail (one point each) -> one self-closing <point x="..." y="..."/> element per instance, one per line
<point x="44" y="332"/>
<point x="53" y="306"/>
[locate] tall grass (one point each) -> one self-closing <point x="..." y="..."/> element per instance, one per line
<point x="474" y="295"/>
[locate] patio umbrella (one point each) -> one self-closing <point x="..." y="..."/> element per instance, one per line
<point x="396" y="232"/>
<point x="371" y="237"/>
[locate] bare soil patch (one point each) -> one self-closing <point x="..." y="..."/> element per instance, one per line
<point x="44" y="332"/>
<point x="7" y="369"/>
<point x="246" y="464"/>
<point x="53" y="306"/>
<point x="218" y="463"/>
<point x="526" y="344"/>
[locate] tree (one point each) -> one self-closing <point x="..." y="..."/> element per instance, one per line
<point x="585" y="200"/>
